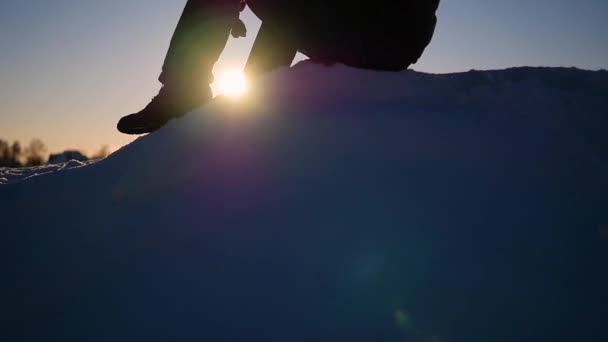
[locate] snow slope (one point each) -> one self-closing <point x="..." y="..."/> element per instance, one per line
<point x="335" y="204"/>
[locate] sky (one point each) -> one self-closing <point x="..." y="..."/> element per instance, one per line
<point x="69" y="69"/>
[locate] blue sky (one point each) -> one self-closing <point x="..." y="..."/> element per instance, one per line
<point x="71" y="68"/>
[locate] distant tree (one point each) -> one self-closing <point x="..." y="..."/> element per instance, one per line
<point x="103" y="152"/>
<point x="10" y="155"/>
<point x="16" y="154"/>
<point x="16" y="151"/>
<point x="35" y="153"/>
<point x="4" y="153"/>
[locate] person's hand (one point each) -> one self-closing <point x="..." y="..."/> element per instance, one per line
<point x="238" y="29"/>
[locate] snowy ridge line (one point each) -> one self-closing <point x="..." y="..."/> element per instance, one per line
<point x="570" y="100"/>
<point x="14" y="175"/>
<point x="502" y="90"/>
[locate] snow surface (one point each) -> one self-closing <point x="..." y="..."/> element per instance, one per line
<point x="335" y="204"/>
<point x="14" y="175"/>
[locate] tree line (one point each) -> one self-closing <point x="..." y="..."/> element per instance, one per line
<point x="34" y="154"/>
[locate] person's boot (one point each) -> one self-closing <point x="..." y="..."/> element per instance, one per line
<point x="171" y="102"/>
<point x="198" y="41"/>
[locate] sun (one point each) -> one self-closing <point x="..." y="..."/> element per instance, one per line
<point x="233" y="83"/>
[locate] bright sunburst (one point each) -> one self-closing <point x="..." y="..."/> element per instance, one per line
<point x="233" y="83"/>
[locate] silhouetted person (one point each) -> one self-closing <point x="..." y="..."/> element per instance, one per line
<point x="379" y="35"/>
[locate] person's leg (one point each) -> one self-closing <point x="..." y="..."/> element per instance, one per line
<point x="383" y="35"/>
<point x="198" y="41"/>
<point x="272" y="49"/>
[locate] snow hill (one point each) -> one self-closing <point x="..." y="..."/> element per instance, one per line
<point x="334" y="204"/>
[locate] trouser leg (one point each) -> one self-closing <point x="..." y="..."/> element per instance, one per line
<point x="272" y="49"/>
<point x="198" y="41"/>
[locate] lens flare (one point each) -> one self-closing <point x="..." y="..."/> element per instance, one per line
<point x="233" y="83"/>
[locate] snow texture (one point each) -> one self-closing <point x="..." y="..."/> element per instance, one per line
<point x="334" y="204"/>
<point x="14" y="175"/>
